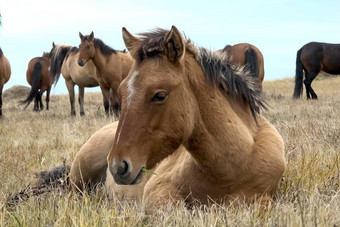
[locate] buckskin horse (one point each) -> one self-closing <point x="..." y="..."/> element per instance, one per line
<point x="112" y="67"/>
<point x="64" y="60"/>
<point x="39" y="77"/>
<point x="5" y="74"/>
<point x="249" y="56"/>
<point x="191" y="117"/>
<point x="313" y="58"/>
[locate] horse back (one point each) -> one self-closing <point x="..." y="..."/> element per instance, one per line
<point x="316" y="57"/>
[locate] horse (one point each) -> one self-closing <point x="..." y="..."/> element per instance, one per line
<point x="39" y="77"/>
<point x="5" y="74"/>
<point x="112" y="67"/>
<point x="192" y="116"/>
<point x="249" y="56"/>
<point x="64" y="60"/>
<point x="313" y="58"/>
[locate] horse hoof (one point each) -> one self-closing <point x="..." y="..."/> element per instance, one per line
<point x="82" y="114"/>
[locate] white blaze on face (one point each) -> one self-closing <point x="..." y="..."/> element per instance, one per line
<point x="131" y="88"/>
<point x="131" y="92"/>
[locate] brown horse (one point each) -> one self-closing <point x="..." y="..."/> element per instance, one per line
<point x="313" y="58"/>
<point x="64" y="60"/>
<point x="5" y="74"/>
<point x="112" y="67"/>
<point x="192" y="115"/>
<point x="39" y="77"/>
<point x="249" y="56"/>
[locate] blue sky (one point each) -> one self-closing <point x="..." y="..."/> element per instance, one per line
<point x="277" y="28"/>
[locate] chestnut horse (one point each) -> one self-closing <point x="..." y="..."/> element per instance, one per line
<point x="249" y="56"/>
<point x="64" y="60"/>
<point x="190" y="116"/>
<point x="5" y="74"/>
<point x="193" y="115"/>
<point x="112" y="67"/>
<point x="313" y="58"/>
<point x="39" y="77"/>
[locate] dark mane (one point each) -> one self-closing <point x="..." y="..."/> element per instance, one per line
<point x="231" y="79"/>
<point x="57" y="56"/>
<point x="219" y="70"/>
<point x="1" y="53"/>
<point x="104" y="49"/>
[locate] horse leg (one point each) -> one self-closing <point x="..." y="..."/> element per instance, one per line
<point x="70" y="87"/>
<point x="115" y="101"/>
<point x="36" y="102"/>
<point x="81" y="100"/>
<point x="1" y="87"/>
<point x="308" y="81"/>
<point x="106" y="95"/>
<point x="47" y="98"/>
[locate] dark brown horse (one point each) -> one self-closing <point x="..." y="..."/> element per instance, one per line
<point x="5" y="73"/>
<point x="313" y="58"/>
<point x="39" y="77"/>
<point x="249" y="56"/>
<point x="112" y="67"/>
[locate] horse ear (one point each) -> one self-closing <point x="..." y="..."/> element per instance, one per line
<point x="81" y="36"/>
<point x="53" y="45"/>
<point x="174" y="45"/>
<point x="91" y="37"/>
<point x="131" y="42"/>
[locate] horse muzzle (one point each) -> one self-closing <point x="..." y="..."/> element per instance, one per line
<point x="81" y="62"/>
<point x="123" y="174"/>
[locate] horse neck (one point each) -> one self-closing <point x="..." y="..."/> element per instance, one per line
<point x="127" y="62"/>
<point x="224" y="129"/>
<point x="100" y="60"/>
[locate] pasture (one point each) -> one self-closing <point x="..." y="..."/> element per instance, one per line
<point x="309" y="193"/>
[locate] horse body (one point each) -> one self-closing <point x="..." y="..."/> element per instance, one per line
<point x="65" y="61"/>
<point x="5" y="73"/>
<point x="313" y="58"/>
<point x="39" y="77"/>
<point x="112" y="67"/>
<point x="249" y="56"/>
<point x="201" y="132"/>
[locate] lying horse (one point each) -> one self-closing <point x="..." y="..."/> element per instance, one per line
<point x="189" y="115"/>
<point x="64" y="60"/>
<point x="5" y="74"/>
<point x="39" y="77"/>
<point x="249" y="56"/>
<point x="313" y="58"/>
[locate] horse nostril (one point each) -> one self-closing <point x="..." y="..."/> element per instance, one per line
<point x="123" y="169"/>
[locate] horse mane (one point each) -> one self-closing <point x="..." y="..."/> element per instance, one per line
<point x="57" y="56"/>
<point x="218" y="69"/>
<point x="104" y="49"/>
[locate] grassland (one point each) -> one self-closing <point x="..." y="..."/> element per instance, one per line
<point x="309" y="194"/>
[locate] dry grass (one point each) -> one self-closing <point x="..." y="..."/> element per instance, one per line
<point x="309" y="193"/>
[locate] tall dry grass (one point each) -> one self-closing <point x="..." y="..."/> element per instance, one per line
<point x="309" y="194"/>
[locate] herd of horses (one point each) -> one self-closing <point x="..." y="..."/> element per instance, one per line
<point x="187" y="114"/>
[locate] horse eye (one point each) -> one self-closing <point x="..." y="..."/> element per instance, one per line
<point x="159" y="96"/>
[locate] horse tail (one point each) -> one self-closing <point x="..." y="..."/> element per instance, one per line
<point x="298" y="76"/>
<point x="251" y="63"/>
<point x="35" y="84"/>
